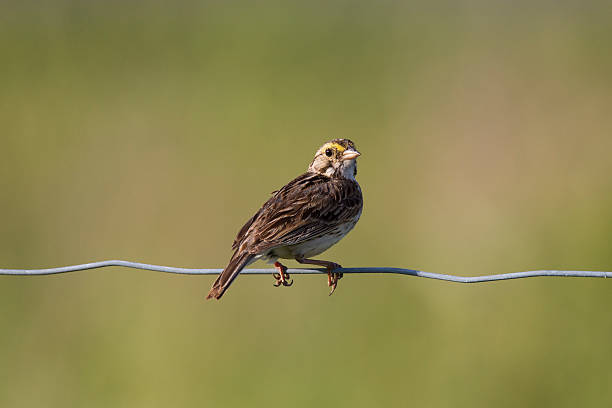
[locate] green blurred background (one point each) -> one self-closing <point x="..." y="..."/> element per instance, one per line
<point x="151" y="131"/>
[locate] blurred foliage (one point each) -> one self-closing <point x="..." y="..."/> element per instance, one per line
<point x="151" y="131"/>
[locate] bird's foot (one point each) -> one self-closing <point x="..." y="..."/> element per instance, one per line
<point x="333" y="277"/>
<point x="282" y="277"/>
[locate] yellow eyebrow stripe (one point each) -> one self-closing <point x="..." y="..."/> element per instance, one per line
<point x="337" y="146"/>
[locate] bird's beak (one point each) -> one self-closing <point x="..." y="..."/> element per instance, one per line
<point x="350" y="154"/>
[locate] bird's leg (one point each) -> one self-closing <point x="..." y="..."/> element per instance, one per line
<point x="332" y="277"/>
<point x="282" y="277"/>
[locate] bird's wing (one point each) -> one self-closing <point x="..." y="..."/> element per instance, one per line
<point x="305" y="208"/>
<point x="245" y="228"/>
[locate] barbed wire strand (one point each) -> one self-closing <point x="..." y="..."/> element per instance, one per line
<point x="399" y="271"/>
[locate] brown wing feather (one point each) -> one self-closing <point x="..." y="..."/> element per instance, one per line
<point x="303" y="209"/>
<point x="244" y="229"/>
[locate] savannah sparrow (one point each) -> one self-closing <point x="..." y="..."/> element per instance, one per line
<point x="302" y="219"/>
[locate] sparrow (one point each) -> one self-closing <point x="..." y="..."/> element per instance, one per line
<point x="301" y="220"/>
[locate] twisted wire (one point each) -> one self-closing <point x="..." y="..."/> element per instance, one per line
<point x="398" y="271"/>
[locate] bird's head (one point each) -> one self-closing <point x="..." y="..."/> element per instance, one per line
<point x="336" y="159"/>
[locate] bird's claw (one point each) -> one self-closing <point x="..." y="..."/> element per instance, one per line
<point x="280" y="280"/>
<point x="333" y="277"/>
<point x="283" y="277"/>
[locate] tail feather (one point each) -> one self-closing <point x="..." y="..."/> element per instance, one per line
<point x="231" y="271"/>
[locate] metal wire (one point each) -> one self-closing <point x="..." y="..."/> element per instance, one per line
<point x="399" y="271"/>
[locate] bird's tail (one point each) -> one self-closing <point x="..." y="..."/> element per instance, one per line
<point x="231" y="271"/>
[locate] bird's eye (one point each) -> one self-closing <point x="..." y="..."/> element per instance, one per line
<point x="328" y="152"/>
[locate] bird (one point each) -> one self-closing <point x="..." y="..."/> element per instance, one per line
<point x="302" y="219"/>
